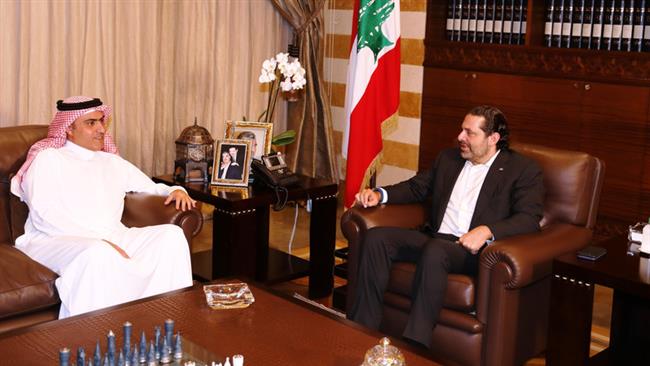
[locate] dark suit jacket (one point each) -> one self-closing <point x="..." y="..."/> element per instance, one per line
<point x="510" y="201"/>
<point x="234" y="172"/>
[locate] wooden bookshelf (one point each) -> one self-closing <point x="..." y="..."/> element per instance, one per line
<point x="595" y="101"/>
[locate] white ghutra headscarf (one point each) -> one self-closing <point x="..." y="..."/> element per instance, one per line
<point x="68" y="110"/>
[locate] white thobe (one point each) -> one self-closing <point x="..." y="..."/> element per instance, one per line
<point x="76" y="199"/>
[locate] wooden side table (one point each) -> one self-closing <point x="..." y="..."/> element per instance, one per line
<point x="240" y="237"/>
<point x="572" y="293"/>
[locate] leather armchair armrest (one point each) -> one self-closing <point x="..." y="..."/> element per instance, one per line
<point x="141" y="209"/>
<point x="357" y="220"/>
<point x="529" y="257"/>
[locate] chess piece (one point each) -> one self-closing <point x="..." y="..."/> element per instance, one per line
<point x="120" y="359"/>
<point x="151" y="356"/>
<point x="97" y="357"/>
<point x="143" y="348"/>
<point x="106" y="363"/>
<point x="227" y="363"/>
<point x="165" y="352"/>
<point x="135" y="357"/>
<point x="126" y="330"/>
<point x="64" y="357"/>
<point x="157" y="342"/>
<point x="169" y="331"/>
<point x="178" y="348"/>
<point x="237" y="360"/>
<point x="81" y="357"/>
<point x="110" y="352"/>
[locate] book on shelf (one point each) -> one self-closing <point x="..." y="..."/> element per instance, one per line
<point x="486" y="21"/>
<point x="615" y="25"/>
<point x="596" y="24"/>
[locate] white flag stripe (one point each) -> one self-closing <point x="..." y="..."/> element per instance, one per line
<point x="361" y="67"/>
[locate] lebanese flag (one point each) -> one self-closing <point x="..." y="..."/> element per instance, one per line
<point x="372" y="91"/>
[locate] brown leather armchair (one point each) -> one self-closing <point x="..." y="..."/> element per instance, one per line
<point x="499" y="317"/>
<point x="27" y="292"/>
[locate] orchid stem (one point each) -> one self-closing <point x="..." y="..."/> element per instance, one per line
<point x="268" y="103"/>
<point x="275" y="99"/>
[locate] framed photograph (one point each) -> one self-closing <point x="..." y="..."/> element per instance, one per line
<point x="232" y="162"/>
<point x="260" y="133"/>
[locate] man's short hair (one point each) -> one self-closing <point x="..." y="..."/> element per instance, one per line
<point x="494" y="121"/>
<point x="246" y="135"/>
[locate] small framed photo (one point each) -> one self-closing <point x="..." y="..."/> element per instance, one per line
<point x="232" y="162"/>
<point x="260" y="133"/>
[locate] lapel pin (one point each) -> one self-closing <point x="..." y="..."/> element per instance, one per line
<point x="500" y="169"/>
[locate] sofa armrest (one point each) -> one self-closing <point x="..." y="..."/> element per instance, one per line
<point x="529" y="257"/>
<point x="141" y="209"/>
<point x="357" y="220"/>
<point x="26" y="286"/>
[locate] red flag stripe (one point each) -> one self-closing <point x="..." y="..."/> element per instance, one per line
<point x="374" y="107"/>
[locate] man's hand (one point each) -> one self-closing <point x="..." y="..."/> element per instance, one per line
<point x="475" y="238"/>
<point x="183" y="201"/>
<point x="367" y="198"/>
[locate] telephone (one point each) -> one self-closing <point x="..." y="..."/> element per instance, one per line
<point x="273" y="171"/>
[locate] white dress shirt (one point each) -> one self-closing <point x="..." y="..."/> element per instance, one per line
<point x="462" y="202"/>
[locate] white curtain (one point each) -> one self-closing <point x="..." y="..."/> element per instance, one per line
<point x="158" y="63"/>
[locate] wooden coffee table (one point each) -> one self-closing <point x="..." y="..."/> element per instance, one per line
<point x="275" y="330"/>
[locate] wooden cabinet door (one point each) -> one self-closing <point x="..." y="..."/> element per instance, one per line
<point x="445" y="100"/>
<point x="523" y="99"/>
<point x="614" y="128"/>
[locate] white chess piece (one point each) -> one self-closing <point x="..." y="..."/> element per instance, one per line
<point x="227" y="362"/>
<point x="238" y="360"/>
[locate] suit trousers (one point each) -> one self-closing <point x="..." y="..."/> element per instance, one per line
<point x="435" y="255"/>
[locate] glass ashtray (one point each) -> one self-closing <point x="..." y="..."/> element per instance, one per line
<point x="228" y="295"/>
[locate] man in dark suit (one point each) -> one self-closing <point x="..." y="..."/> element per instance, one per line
<point x="480" y="191"/>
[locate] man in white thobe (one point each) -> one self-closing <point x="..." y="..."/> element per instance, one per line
<point x="74" y="184"/>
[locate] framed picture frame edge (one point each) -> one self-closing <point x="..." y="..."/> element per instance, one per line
<point x="234" y="128"/>
<point x="245" y="166"/>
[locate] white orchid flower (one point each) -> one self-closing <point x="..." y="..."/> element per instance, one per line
<point x="292" y="69"/>
<point x="286" y="85"/>
<point x="300" y="71"/>
<point x="282" y="58"/>
<point x="269" y="65"/>
<point x="298" y="84"/>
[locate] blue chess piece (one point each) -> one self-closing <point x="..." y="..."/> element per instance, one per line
<point x="157" y="342"/>
<point x="64" y="357"/>
<point x="126" y="329"/>
<point x="97" y="357"/>
<point x="81" y="357"/>
<point x="151" y="356"/>
<point x="165" y="352"/>
<point x="106" y="363"/>
<point x="135" y="357"/>
<point x="143" y="348"/>
<point x="169" y="330"/>
<point x="178" y="348"/>
<point x="120" y="359"/>
<point x="110" y="352"/>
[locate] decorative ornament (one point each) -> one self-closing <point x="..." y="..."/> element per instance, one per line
<point x="194" y="155"/>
